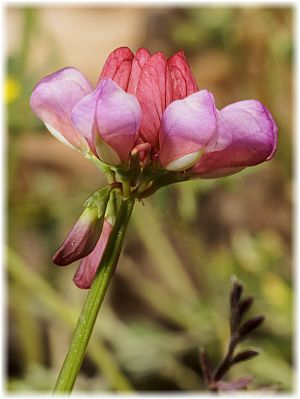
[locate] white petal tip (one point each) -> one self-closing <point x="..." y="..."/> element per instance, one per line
<point x="106" y="153"/>
<point x="58" y="135"/>
<point x="185" y="162"/>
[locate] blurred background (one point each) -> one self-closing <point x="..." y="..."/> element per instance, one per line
<point x="169" y="294"/>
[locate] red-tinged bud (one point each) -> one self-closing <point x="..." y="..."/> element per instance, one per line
<point x="82" y="238"/>
<point x="86" y="271"/>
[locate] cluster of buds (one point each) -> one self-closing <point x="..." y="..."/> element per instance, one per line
<point x="239" y="331"/>
<point x="149" y="125"/>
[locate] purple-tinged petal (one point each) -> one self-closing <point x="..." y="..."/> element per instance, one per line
<point x="86" y="271"/>
<point x="53" y="99"/>
<point x="83" y="116"/>
<point x="154" y="95"/>
<point x="247" y="136"/>
<point x="140" y="58"/>
<point x="118" y="116"/>
<point x="182" y="79"/>
<point x="118" y="67"/>
<point x="82" y="238"/>
<point x="187" y="127"/>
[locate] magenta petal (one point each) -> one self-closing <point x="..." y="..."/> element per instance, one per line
<point x="53" y="99"/>
<point x="187" y="127"/>
<point x="86" y="271"/>
<point x="253" y="139"/>
<point x="118" y="67"/>
<point x="118" y="116"/>
<point x="140" y="58"/>
<point x="183" y="82"/>
<point x="82" y="238"/>
<point x="154" y="95"/>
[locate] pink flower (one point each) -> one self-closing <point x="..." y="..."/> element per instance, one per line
<point x="196" y="136"/>
<point x="148" y="99"/>
<point x="146" y="113"/>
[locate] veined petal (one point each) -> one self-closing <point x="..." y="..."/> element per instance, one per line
<point x="140" y="58"/>
<point x="118" y="116"/>
<point x="187" y="127"/>
<point x="182" y="79"/>
<point x="82" y="238"/>
<point x="118" y="67"/>
<point x="251" y="135"/>
<point x="86" y="271"/>
<point x="154" y="95"/>
<point x="53" y="99"/>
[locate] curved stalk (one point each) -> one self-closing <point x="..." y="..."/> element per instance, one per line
<point x="91" y="307"/>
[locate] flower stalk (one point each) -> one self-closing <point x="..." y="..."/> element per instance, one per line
<point x="96" y="294"/>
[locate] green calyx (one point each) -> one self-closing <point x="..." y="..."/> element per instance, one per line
<point x="99" y="200"/>
<point x="133" y="181"/>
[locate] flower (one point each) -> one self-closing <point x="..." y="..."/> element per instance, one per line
<point x="148" y="99"/>
<point x="148" y="121"/>
<point x="215" y="143"/>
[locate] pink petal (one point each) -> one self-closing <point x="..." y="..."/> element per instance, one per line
<point x="118" y="116"/>
<point x="82" y="238"/>
<point x="83" y="116"/>
<point x="85" y="274"/>
<point x="53" y="99"/>
<point x="247" y="135"/>
<point x="140" y="58"/>
<point x="183" y="82"/>
<point x="154" y="95"/>
<point x="187" y="127"/>
<point x="118" y="67"/>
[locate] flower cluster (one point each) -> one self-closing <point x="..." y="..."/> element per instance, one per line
<point x="149" y="122"/>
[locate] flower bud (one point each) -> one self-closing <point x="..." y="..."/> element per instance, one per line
<point x="86" y="271"/>
<point x="250" y="325"/>
<point x="235" y="294"/>
<point x="244" y="306"/>
<point x="244" y="355"/>
<point x="82" y="238"/>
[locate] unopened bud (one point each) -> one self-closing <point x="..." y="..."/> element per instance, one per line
<point x="82" y="238"/>
<point x="87" y="269"/>
<point x="244" y="306"/>
<point x="250" y="326"/>
<point x="236" y="293"/>
<point x="244" y="355"/>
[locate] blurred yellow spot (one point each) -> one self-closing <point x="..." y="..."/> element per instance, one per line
<point x="12" y="89"/>
<point x="276" y="291"/>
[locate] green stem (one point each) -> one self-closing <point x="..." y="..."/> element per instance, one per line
<point x="52" y="304"/>
<point x="91" y="307"/>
